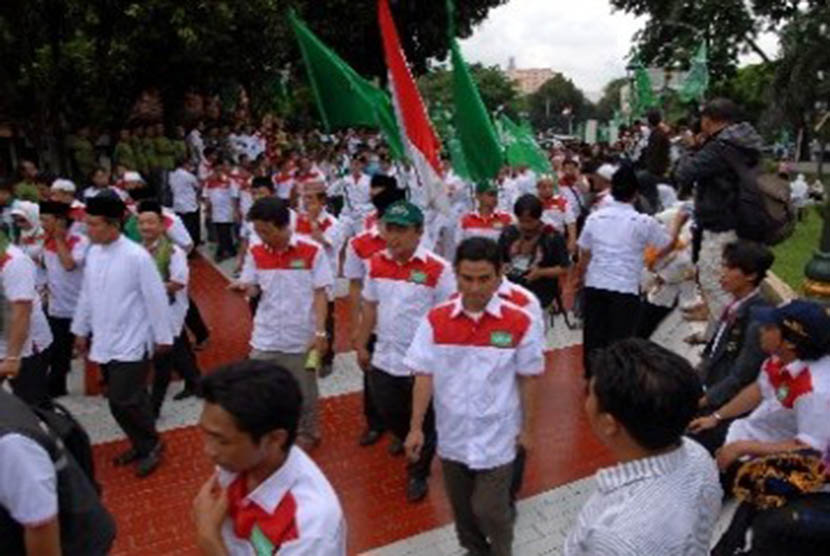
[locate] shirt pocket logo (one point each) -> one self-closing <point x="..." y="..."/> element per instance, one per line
<point x="298" y="264"/>
<point x="501" y="339"/>
<point x="418" y="277"/>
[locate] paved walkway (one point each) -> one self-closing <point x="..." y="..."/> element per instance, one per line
<point x="153" y="514"/>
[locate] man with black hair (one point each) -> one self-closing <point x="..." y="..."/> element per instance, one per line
<point x="171" y="262"/>
<point x="486" y="220"/>
<point x="267" y="496"/>
<point x="357" y="202"/>
<point x="64" y="253"/>
<point x="612" y="245"/>
<point x="185" y="189"/>
<point x="534" y="256"/>
<point x="403" y="282"/>
<point x="292" y="274"/>
<point x="222" y="196"/>
<point x="488" y="351"/>
<point x="732" y="358"/>
<point x="663" y="497"/>
<point x="711" y="170"/>
<point x="654" y="160"/>
<point x="124" y="306"/>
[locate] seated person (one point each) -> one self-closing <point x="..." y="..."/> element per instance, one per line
<point x="664" y="496"/>
<point x="790" y="404"/>
<point x="790" y="401"/>
<point x="534" y="255"/>
<point x="732" y="358"/>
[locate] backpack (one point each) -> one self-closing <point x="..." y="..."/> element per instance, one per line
<point x="73" y="436"/>
<point x="765" y="212"/>
<point x="86" y="527"/>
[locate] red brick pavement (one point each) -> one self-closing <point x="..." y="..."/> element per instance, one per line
<point x="153" y="514"/>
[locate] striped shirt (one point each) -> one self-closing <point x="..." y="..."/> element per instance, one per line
<point x="665" y="505"/>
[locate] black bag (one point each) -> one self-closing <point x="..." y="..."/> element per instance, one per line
<point x="765" y="212"/>
<point x="75" y="439"/>
<point x="86" y="527"/>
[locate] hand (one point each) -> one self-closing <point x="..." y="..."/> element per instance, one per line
<point x="210" y="508"/>
<point x="321" y="344"/>
<point x="161" y="349"/>
<point x="728" y="455"/>
<point x="533" y="274"/>
<point x="702" y="423"/>
<point x="525" y="440"/>
<point x="81" y="346"/>
<point x="364" y="358"/>
<point x="413" y="444"/>
<point x="702" y="402"/>
<point x="10" y="368"/>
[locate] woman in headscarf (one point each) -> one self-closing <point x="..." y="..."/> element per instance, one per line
<point x="28" y="234"/>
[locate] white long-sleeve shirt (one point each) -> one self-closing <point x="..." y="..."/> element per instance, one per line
<point x="123" y="303"/>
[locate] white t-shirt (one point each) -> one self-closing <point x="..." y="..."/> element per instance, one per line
<point x="17" y="275"/>
<point x="64" y="286"/>
<point x="185" y="189"/>
<point x="28" y="482"/>
<point x="617" y="236"/>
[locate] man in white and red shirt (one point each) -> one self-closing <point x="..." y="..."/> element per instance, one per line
<point x="404" y="282"/>
<point x="222" y="195"/>
<point x="284" y="181"/>
<point x="25" y="336"/>
<point x="267" y="496"/>
<point x="357" y="198"/>
<point x="476" y="358"/>
<point x="359" y="251"/>
<point x="557" y="213"/>
<point x="292" y="274"/>
<point x="487" y="221"/>
<point x="64" y="253"/>
<point x="63" y="191"/>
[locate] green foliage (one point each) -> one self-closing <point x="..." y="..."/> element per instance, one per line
<point x="610" y="101"/>
<point x="79" y="61"/>
<point x="547" y="104"/>
<point x="496" y="90"/>
<point x="793" y="255"/>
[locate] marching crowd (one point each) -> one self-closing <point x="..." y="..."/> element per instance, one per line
<point x="450" y="306"/>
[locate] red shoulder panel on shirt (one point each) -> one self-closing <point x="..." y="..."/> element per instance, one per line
<point x="4" y="259"/>
<point x="304" y="224"/>
<point x="424" y="273"/>
<point x="366" y="245"/>
<point x="51" y="245"/>
<point x="506" y="331"/>
<point x="278" y="527"/>
<point x="299" y="257"/>
<point x="787" y="388"/>
<point x="516" y="297"/>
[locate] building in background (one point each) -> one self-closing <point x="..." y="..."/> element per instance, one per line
<point x="528" y="81"/>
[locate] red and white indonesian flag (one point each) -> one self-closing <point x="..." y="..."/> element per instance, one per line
<point x="419" y="139"/>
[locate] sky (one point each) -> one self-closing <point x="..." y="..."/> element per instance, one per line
<point x="584" y="40"/>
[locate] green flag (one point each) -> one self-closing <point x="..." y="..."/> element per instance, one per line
<point x="645" y="98"/>
<point x="520" y="148"/>
<point x="697" y="81"/>
<point x="344" y="98"/>
<point x="476" y="135"/>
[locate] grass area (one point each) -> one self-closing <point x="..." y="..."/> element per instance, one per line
<point x="792" y="256"/>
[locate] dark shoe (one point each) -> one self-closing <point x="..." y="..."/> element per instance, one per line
<point x="126" y="458"/>
<point x="416" y="490"/>
<point x="395" y="447"/>
<point x="147" y="464"/>
<point x="188" y="392"/>
<point x="370" y="437"/>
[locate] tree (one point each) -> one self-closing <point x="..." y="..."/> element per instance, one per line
<point x="77" y="61"/>
<point x="497" y="91"/>
<point x="547" y="105"/>
<point x="610" y="101"/>
<point x="674" y="29"/>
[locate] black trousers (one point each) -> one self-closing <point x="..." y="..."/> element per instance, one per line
<point x="393" y="398"/>
<point x="192" y="222"/>
<point x="650" y="318"/>
<point x="130" y="403"/>
<point x="60" y="355"/>
<point x="374" y="421"/>
<point x="195" y="323"/>
<point x="224" y="240"/>
<point x="802" y="526"/>
<point x="608" y="316"/>
<point x="32" y="383"/>
<point x="183" y="360"/>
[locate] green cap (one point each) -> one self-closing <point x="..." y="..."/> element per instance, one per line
<point x="403" y="213"/>
<point x="486" y="187"/>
